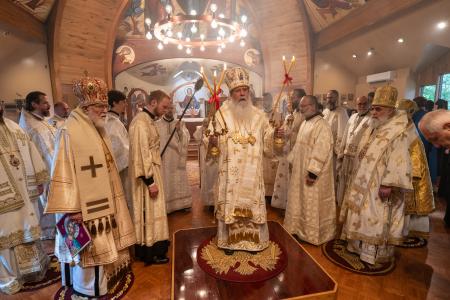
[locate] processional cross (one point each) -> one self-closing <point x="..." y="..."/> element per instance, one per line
<point x="92" y="166"/>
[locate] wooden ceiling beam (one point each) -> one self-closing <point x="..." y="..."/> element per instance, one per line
<point x="22" y="23"/>
<point x="362" y="19"/>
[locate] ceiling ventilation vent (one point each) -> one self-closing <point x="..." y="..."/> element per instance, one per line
<point x="380" y="77"/>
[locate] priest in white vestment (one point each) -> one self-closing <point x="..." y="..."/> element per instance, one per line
<point x="149" y="206"/>
<point x="337" y="118"/>
<point x="291" y="125"/>
<point x="354" y="129"/>
<point x="22" y="174"/>
<point x="85" y="183"/>
<point x="61" y="113"/>
<point x="420" y="202"/>
<point x="311" y="207"/>
<point x="178" y="194"/>
<point x="118" y="135"/>
<point x="208" y="169"/>
<point x="241" y="208"/>
<point x="33" y="120"/>
<point x="373" y="208"/>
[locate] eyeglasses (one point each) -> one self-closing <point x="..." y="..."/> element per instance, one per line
<point x="377" y="108"/>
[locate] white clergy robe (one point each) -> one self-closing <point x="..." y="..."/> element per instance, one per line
<point x="371" y="224"/>
<point x="120" y="144"/>
<point x="178" y="194"/>
<point x="241" y="208"/>
<point x="85" y="180"/>
<point x="56" y="121"/>
<point x="208" y="170"/>
<point x="150" y="217"/>
<point x="43" y="136"/>
<point x="281" y="185"/>
<point x="311" y="210"/>
<point x="21" y="171"/>
<point x="347" y="151"/>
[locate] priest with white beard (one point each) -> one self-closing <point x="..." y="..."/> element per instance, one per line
<point x="22" y="174"/>
<point x="292" y="125"/>
<point x="311" y="207"/>
<point x="208" y="168"/>
<point x="347" y="148"/>
<point x="85" y="183"/>
<point x="118" y="135"/>
<point x="178" y="194"/>
<point x="147" y="185"/>
<point x="373" y="208"/>
<point x="240" y="208"/>
<point x="33" y="120"/>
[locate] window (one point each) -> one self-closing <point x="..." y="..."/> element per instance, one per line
<point x="429" y="91"/>
<point x="444" y="87"/>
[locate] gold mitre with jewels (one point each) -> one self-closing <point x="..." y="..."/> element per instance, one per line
<point x="385" y="96"/>
<point x="90" y="90"/>
<point x="237" y="77"/>
<point x="407" y="105"/>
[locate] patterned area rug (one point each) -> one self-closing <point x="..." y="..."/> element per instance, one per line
<point x="115" y="293"/>
<point x="241" y="266"/>
<point x="414" y="242"/>
<point x="336" y="251"/>
<point x="52" y="276"/>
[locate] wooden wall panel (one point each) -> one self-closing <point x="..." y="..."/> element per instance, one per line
<point x="431" y="73"/>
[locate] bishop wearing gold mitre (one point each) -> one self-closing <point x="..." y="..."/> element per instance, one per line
<point x="85" y="183"/>
<point x="241" y="208"/>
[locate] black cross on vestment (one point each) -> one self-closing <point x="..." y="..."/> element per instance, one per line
<point x="92" y="167"/>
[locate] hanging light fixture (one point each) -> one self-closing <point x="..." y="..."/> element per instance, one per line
<point x="194" y="30"/>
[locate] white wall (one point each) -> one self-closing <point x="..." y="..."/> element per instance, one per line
<point x="25" y="70"/>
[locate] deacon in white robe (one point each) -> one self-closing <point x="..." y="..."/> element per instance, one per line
<point x="178" y="194"/>
<point x="33" y="120"/>
<point x="149" y="206"/>
<point x="85" y="183"/>
<point x="118" y="135"/>
<point x="291" y="125"/>
<point x="62" y="111"/>
<point x="373" y="208"/>
<point x="337" y="118"/>
<point x="240" y="208"/>
<point x="22" y="174"/>
<point x="420" y="202"/>
<point x="311" y="207"/>
<point x="208" y="170"/>
<point x="347" y="149"/>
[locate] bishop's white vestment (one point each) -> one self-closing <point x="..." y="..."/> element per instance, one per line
<point x="43" y="136"/>
<point x="85" y="180"/>
<point x="22" y="170"/>
<point x="311" y="209"/>
<point x="178" y="194"/>
<point x="371" y="224"/>
<point x="241" y="208"/>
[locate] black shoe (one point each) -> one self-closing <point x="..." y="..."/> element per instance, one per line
<point x="160" y="260"/>
<point x="228" y="252"/>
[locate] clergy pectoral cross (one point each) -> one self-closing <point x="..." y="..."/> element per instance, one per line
<point x="92" y="166"/>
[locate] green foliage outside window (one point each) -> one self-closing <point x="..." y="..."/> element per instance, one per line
<point x="445" y="87"/>
<point x="429" y="91"/>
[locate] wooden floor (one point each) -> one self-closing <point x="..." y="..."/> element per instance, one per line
<point x="420" y="273"/>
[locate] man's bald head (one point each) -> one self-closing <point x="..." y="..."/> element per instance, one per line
<point x="309" y="105"/>
<point x="362" y="105"/>
<point x="61" y="109"/>
<point x="435" y="126"/>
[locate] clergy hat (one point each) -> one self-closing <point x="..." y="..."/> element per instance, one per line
<point x="236" y="77"/>
<point x="90" y="90"/>
<point x="407" y="105"/>
<point x="385" y="96"/>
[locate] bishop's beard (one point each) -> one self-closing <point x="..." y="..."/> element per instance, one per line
<point x="241" y="110"/>
<point x="375" y="123"/>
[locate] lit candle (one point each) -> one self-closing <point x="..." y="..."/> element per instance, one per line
<point x="284" y="64"/>
<point x="222" y="75"/>
<point x="205" y="80"/>
<point x="215" y="78"/>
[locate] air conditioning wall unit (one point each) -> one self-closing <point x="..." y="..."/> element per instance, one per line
<point x="380" y="77"/>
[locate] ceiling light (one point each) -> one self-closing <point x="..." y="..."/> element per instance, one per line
<point x="148" y="21"/>
<point x="400" y="40"/>
<point x="188" y="51"/>
<point x="160" y="46"/>
<point x="354" y="56"/>
<point x="213" y="7"/>
<point x="180" y="47"/>
<point x="243" y="18"/>
<point x="242" y="43"/>
<point x="169" y="9"/>
<point x="219" y="50"/>
<point x="441" y="25"/>
<point x="202" y="48"/>
<point x="222" y="16"/>
<point x="148" y="35"/>
<point x="370" y="52"/>
<point x="193" y="12"/>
